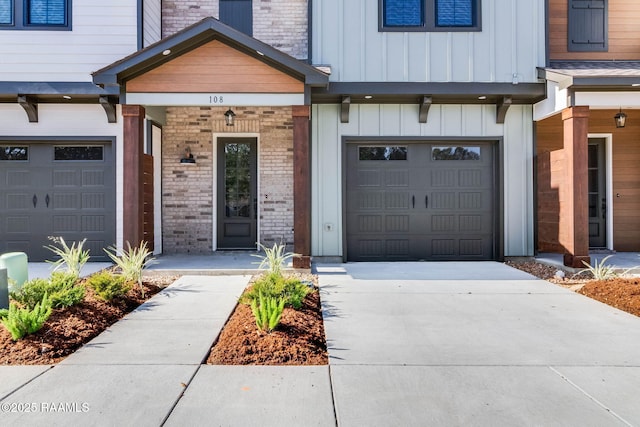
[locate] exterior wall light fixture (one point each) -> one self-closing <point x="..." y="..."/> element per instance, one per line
<point x="228" y="117"/>
<point x="621" y="119"/>
<point x="187" y="157"/>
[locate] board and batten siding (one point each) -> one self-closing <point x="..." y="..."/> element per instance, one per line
<point x="152" y="22"/>
<point x="102" y="32"/>
<point x="393" y="120"/>
<point x="512" y="42"/>
<point x="57" y="121"/>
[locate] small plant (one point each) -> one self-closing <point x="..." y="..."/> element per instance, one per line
<point x="274" y="285"/>
<point x="61" y="288"/>
<point x="274" y="258"/>
<point x="73" y="257"/>
<point x="267" y="312"/>
<point x="108" y="285"/>
<point x="3" y="313"/>
<point x="600" y="271"/>
<point x="23" y="321"/>
<point x="131" y="262"/>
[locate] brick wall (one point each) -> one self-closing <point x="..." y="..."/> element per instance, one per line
<point x="187" y="192"/>
<point x="279" y="23"/>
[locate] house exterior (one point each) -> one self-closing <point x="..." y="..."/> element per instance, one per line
<point x="422" y="143"/>
<point x="367" y="130"/>
<point x="587" y="174"/>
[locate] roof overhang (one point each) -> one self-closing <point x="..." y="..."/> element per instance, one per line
<point x="440" y="93"/>
<point x="593" y="76"/>
<point x="197" y="35"/>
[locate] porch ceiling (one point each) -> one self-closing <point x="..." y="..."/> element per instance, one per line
<point x="594" y="75"/>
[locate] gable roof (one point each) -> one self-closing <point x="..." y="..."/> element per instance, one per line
<point x="196" y="35"/>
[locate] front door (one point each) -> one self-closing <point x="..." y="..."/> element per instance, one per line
<point x="237" y="189"/>
<point x="597" y="194"/>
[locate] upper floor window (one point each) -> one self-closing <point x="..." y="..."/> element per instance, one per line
<point x="35" y="14"/>
<point x="237" y="14"/>
<point x="429" y="15"/>
<point x="587" y="30"/>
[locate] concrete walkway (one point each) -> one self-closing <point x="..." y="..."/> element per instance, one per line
<point x="409" y="344"/>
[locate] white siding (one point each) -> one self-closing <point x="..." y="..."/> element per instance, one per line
<point x="152" y="21"/>
<point x="511" y="42"/>
<point x="58" y="121"/>
<point x="102" y="32"/>
<point x="402" y="120"/>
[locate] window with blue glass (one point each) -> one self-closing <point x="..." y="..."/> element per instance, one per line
<point x="35" y="14"/>
<point x="429" y="15"/>
<point x="454" y="13"/>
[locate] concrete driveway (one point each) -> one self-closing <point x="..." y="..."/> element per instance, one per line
<point x="474" y="344"/>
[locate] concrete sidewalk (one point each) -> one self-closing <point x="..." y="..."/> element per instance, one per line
<point x="409" y="344"/>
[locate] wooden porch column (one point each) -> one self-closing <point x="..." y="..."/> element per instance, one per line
<point x="133" y="177"/>
<point x="576" y="213"/>
<point x="301" y="187"/>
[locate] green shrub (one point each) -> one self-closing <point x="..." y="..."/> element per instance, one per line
<point x="31" y="292"/>
<point x="73" y="257"/>
<point x="108" y="285"/>
<point x="23" y="321"/>
<point x="3" y="313"/>
<point x="131" y="262"/>
<point x="274" y="285"/>
<point x="267" y="312"/>
<point x="61" y="288"/>
<point x="599" y="271"/>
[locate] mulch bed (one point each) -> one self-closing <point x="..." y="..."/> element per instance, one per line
<point x="619" y="292"/>
<point x="298" y="340"/>
<point x="70" y="328"/>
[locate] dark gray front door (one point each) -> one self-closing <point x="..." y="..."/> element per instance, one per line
<point x="237" y="189"/>
<point x="597" y="194"/>
<point x="56" y="190"/>
<point x="420" y="202"/>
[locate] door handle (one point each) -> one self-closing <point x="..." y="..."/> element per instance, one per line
<point x="426" y="202"/>
<point x="47" y="200"/>
<point x="413" y="201"/>
<point x="604" y="208"/>
<point x="34" y="200"/>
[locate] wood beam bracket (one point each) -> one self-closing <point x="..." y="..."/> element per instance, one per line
<point x="425" y="104"/>
<point x="501" y="108"/>
<point x="109" y="105"/>
<point x="30" y="107"/>
<point x="344" y="109"/>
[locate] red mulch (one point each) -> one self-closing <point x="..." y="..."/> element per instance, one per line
<point x="298" y="340"/>
<point x="622" y="293"/>
<point x="68" y="329"/>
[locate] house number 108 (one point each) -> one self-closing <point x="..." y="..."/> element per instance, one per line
<point x="215" y="99"/>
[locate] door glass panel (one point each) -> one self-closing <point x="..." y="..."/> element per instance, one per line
<point x="455" y="153"/>
<point x="14" y="153"/>
<point x="382" y="153"/>
<point x="78" y="152"/>
<point x="237" y="179"/>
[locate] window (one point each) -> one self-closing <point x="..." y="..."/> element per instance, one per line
<point x="91" y="152"/>
<point x="35" y="14"/>
<point x="382" y="153"/>
<point x="587" y="26"/>
<point x="455" y="153"/>
<point x="8" y="152"/>
<point x="237" y="14"/>
<point x="429" y="15"/>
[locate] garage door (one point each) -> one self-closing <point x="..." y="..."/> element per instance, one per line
<point x="56" y="190"/>
<point x="420" y="201"/>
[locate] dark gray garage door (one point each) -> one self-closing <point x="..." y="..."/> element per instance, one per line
<point x="63" y="190"/>
<point x="420" y="201"/>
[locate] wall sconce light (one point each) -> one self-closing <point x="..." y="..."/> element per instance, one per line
<point x="228" y="117"/>
<point x="187" y="157"/>
<point x="621" y="119"/>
